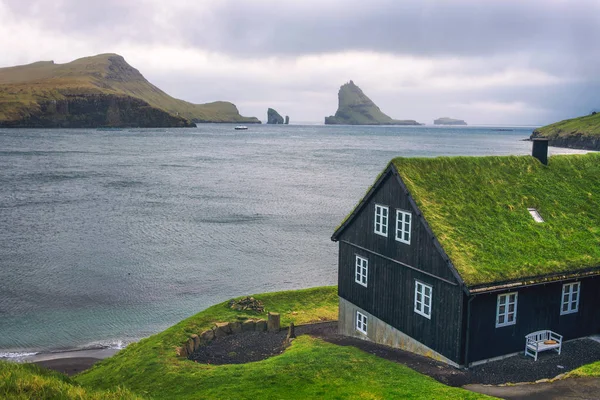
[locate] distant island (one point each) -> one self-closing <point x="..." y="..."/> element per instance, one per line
<point x="355" y="108"/>
<point x="97" y="91"/>
<point x="577" y="133"/>
<point x="273" y="117"/>
<point x="448" y="121"/>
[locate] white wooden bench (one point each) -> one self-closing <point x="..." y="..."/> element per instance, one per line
<point x="534" y="343"/>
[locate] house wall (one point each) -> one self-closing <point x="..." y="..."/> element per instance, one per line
<point x="390" y="290"/>
<point x="421" y="252"/>
<point x="538" y="308"/>
<point x="380" y="332"/>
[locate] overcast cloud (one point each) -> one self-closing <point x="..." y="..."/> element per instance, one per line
<point x="492" y="61"/>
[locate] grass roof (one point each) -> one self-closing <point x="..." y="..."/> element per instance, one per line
<point x="477" y="208"/>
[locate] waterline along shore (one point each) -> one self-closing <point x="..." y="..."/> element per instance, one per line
<point x="183" y="219"/>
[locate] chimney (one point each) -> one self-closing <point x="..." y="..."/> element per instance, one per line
<point x="540" y="149"/>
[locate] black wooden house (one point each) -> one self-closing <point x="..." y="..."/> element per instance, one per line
<point x="459" y="258"/>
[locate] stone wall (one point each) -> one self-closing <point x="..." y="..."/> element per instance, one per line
<point x="221" y="329"/>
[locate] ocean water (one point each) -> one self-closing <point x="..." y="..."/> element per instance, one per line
<point x="108" y="237"/>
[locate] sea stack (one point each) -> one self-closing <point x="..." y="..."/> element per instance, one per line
<point x="355" y="108"/>
<point x="273" y="117"/>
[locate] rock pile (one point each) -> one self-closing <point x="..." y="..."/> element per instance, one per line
<point x="247" y="303"/>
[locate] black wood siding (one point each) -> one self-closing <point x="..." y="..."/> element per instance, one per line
<point x="421" y="253"/>
<point x="538" y="308"/>
<point x="391" y="286"/>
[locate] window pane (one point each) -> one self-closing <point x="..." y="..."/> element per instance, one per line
<point x="419" y="297"/>
<point x="511" y="317"/>
<point x="426" y="310"/>
<point x="512" y="298"/>
<point x="565" y="307"/>
<point x="502" y="299"/>
<point x="501" y="319"/>
<point x="511" y="308"/>
<point x="427" y="291"/>
<point x="502" y="309"/>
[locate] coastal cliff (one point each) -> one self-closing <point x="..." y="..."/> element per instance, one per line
<point x="576" y="133"/>
<point x="273" y="117"/>
<point x="355" y="108"/>
<point x="97" y="91"/>
<point x="449" y="121"/>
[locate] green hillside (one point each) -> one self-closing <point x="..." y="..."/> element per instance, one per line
<point x="580" y="133"/>
<point x="355" y="108"/>
<point x="309" y="369"/>
<point x="28" y="381"/>
<point x="101" y="90"/>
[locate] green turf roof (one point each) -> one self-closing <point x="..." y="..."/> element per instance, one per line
<point x="477" y="208"/>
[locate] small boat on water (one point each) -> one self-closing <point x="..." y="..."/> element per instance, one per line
<point x="241" y="128"/>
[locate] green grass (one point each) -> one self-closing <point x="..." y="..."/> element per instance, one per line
<point x="477" y="208"/>
<point x="22" y="87"/>
<point x="588" y="125"/>
<point x="28" y="381"/>
<point x="588" y="370"/>
<point x="310" y="368"/>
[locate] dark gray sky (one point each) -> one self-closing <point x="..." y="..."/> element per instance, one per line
<point x="494" y="61"/>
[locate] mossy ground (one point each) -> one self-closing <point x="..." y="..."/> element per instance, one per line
<point x="309" y="368"/>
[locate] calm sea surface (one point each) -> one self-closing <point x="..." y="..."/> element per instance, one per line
<point x="107" y="237"/>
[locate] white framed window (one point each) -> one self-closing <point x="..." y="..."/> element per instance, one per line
<point x="361" y="270"/>
<point x="423" y="295"/>
<point x="570" y="298"/>
<point x="381" y="220"/>
<point x="361" y="322"/>
<point x="506" y="310"/>
<point x="403" y="221"/>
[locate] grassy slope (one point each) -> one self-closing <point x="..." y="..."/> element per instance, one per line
<point x="310" y="368"/>
<point x="588" y="125"/>
<point x="588" y="370"/>
<point x="21" y="86"/>
<point x="28" y="381"/>
<point x="477" y="207"/>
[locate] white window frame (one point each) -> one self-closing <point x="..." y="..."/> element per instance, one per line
<point x="403" y="225"/>
<point x="422" y="300"/>
<point x="361" y="269"/>
<point x="361" y="322"/>
<point x="503" y="300"/>
<point x="381" y="227"/>
<point x="569" y="290"/>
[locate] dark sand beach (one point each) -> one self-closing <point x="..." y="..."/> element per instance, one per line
<point x="70" y="362"/>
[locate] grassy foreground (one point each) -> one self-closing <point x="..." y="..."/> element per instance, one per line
<point x="588" y="370"/>
<point x="310" y="368"/>
<point x="28" y="381"/>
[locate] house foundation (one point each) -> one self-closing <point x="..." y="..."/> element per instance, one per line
<point x="382" y="333"/>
